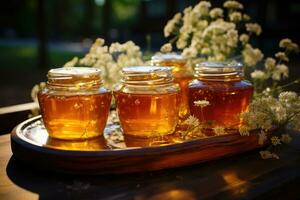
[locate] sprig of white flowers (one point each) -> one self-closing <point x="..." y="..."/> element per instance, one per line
<point x="275" y="68"/>
<point x="269" y="112"/>
<point x="206" y="32"/>
<point x="110" y="59"/>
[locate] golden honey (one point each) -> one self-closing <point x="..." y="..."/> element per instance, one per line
<point x="74" y="105"/>
<point x="182" y="75"/>
<point x="222" y="86"/>
<point x="147" y="101"/>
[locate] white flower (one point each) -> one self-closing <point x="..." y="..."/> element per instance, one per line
<point x="270" y="63"/>
<point x="166" y="48"/>
<point x="202" y="8"/>
<point x="36" y="89"/>
<point x="99" y="42"/>
<point x="284" y="43"/>
<point x="246" y="17"/>
<point x="282" y="56"/>
<point x="268" y="154"/>
<point x="287" y="96"/>
<point x="201" y="103"/>
<point x="244" y="131"/>
<point x="219" y="130"/>
<point x="253" y="28"/>
<point x="205" y="51"/>
<point x="217" y="57"/>
<point x="258" y="74"/>
<point x="115" y="48"/>
<point x="286" y="138"/>
<point x="251" y="56"/>
<point x="283" y="70"/>
<point x="71" y="63"/>
<point x="235" y="16"/>
<point x="218" y="40"/>
<point x="275" y="140"/>
<point x="290" y="103"/>
<point x="280" y="113"/>
<point x="216" y="13"/>
<point x="192" y="121"/>
<point x="184" y="34"/>
<point x="280" y="71"/>
<point x="168" y="29"/>
<point x="258" y="115"/>
<point x="189" y="52"/>
<point x="233" y="5"/>
<point x="232" y="38"/>
<point x="293" y="47"/>
<point x="244" y="38"/>
<point x="200" y="25"/>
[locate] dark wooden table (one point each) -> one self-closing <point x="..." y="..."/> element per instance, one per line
<point x="245" y="176"/>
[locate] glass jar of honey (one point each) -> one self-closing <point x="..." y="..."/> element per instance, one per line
<point x="182" y="75"/>
<point x="147" y="101"/>
<point x="74" y="105"/>
<point x="228" y="95"/>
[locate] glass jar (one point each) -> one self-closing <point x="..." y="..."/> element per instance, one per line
<point x="182" y="75"/>
<point x="222" y="85"/>
<point x="147" y="101"/>
<point x="74" y="104"/>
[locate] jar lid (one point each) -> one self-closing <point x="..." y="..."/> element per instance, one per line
<point x="219" y="68"/>
<point x="219" y="71"/>
<point x="70" y="76"/>
<point x="149" y="75"/>
<point x="167" y="57"/>
<point x="74" y="71"/>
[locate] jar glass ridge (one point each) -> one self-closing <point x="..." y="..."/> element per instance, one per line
<point x="147" y="101"/>
<point x="182" y="74"/>
<point x="222" y="85"/>
<point x="74" y="105"/>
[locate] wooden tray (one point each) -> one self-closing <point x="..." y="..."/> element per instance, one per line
<point x="111" y="154"/>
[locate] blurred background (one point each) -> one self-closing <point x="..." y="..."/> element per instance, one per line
<point x="36" y="35"/>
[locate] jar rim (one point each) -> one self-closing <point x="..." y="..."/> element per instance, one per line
<point x="167" y="56"/>
<point x="74" y="78"/>
<point x="219" y="66"/>
<point x="145" y="69"/>
<point x="73" y="71"/>
<point x="147" y="75"/>
<point x="219" y="70"/>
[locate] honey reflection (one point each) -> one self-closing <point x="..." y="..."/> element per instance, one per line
<point x="235" y="183"/>
<point x="92" y="144"/>
<point x="174" y="194"/>
<point x="152" y="142"/>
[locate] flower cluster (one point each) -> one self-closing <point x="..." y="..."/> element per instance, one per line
<point x="207" y="32"/>
<point x="275" y="68"/>
<point x="110" y="59"/>
<point x="267" y="112"/>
